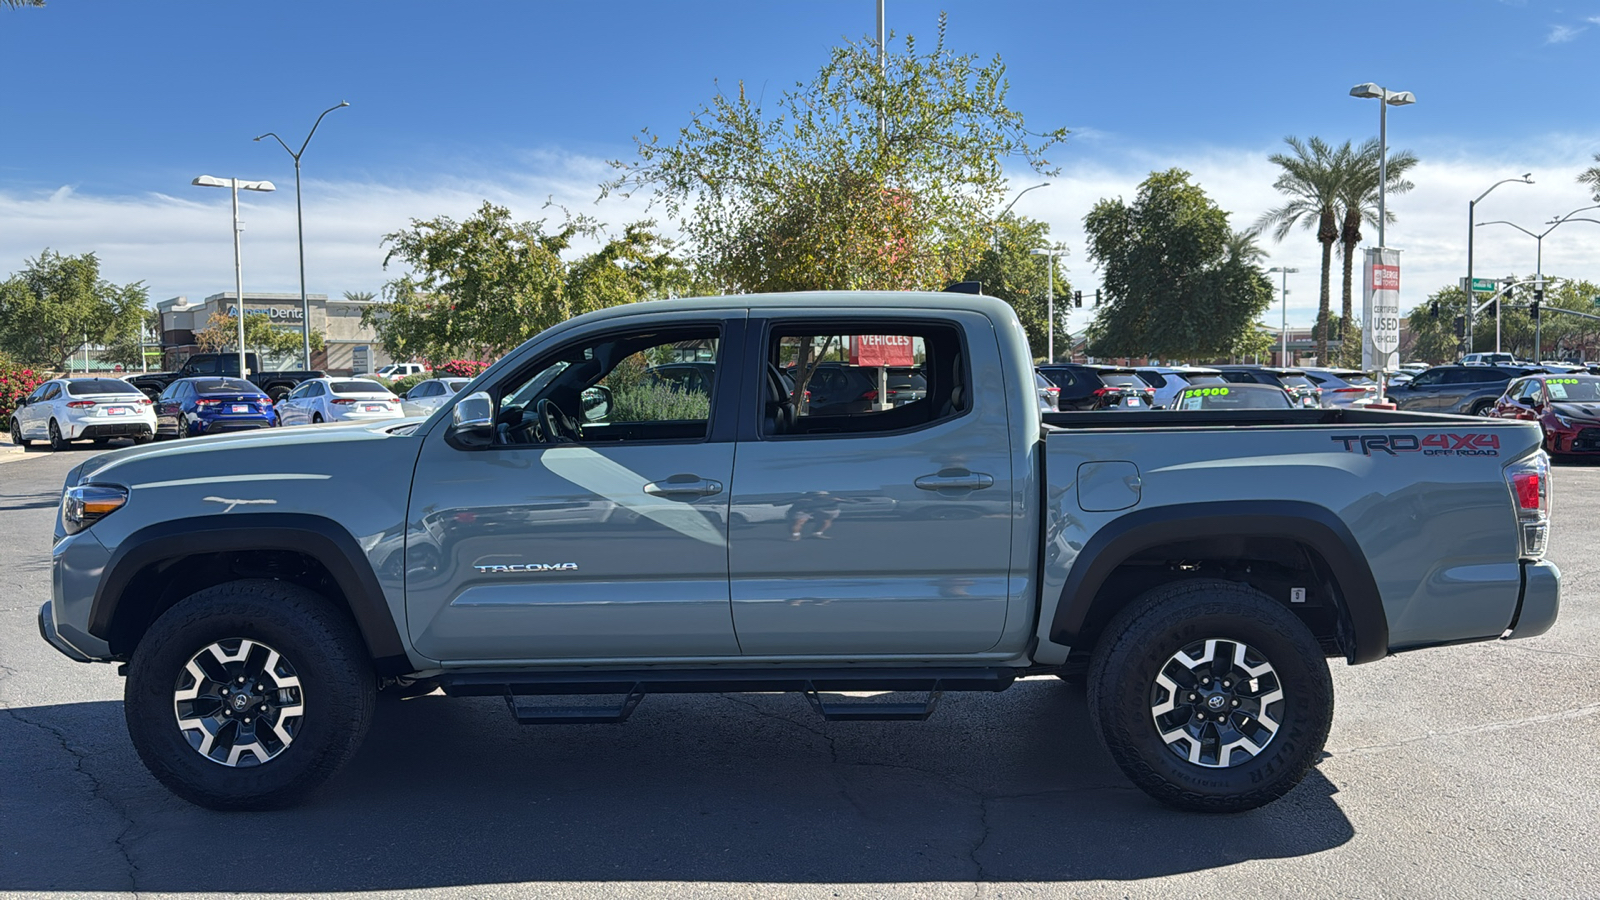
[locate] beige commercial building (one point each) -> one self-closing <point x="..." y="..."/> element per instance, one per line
<point x="349" y="348"/>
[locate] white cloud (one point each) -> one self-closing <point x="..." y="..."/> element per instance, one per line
<point x="180" y="244"/>
<point x="1430" y="226"/>
<point x="1561" y="34"/>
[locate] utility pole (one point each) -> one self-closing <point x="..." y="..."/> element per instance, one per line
<point x="1050" y="253"/>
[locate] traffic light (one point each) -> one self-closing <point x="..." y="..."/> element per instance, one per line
<point x="1433" y="310"/>
<point x="1533" y="310"/>
<point x="1461" y="327"/>
<point x="1492" y="308"/>
<point x="1096" y="296"/>
<point x="1077" y="298"/>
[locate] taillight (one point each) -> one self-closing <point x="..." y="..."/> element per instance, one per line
<point x="868" y="395"/>
<point x="204" y="402"/>
<point x="1350" y="390"/>
<point x="344" y="401"/>
<point x="1529" y="481"/>
<point x="146" y="401"/>
<point x="81" y="404"/>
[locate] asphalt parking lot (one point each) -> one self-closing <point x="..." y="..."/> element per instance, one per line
<point x="1464" y="771"/>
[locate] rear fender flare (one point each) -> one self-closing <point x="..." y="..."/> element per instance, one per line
<point x="1315" y="526"/>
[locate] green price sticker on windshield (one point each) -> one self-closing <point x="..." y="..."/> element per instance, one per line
<point x="1561" y="381"/>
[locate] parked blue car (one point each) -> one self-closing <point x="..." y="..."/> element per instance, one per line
<point x="196" y="406"/>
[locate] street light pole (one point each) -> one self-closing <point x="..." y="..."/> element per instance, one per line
<point x="1050" y="253"/>
<point x="300" y="229"/>
<point x="1284" y="327"/>
<point x="1538" y="276"/>
<point x="238" y="267"/>
<point x="1386" y="98"/>
<point x="1472" y="206"/>
<point x="1008" y="209"/>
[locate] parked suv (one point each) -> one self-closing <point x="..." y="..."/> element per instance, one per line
<point x="836" y="389"/>
<point x="1467" y="389"/>
<point x="1168" y="381"/>
<point x="1098" y="387"/>
<point x="1294" y="381"/>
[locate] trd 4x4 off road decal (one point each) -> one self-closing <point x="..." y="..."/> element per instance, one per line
<point x="1443" y="444"/>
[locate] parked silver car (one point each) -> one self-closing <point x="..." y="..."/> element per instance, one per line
<point x="1170" y="380"/>
<point x="427" y="396"/>
<point x="338" y="400"/>
<point x="1344" y="388"/>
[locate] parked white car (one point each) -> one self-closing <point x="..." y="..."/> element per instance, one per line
<point x="427" y="396"/>
<point x="69" y="409"/>
<point x="397" y="371"/>
<point x="338" y="400"/>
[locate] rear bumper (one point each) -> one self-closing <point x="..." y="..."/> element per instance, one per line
<point x="221" y="424"/>
<point x="115" y="429"/>
<point x="1540" y="601"/>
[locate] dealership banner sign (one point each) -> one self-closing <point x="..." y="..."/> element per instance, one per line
<point x="881" y="350"/>
<point x="1380" y="311"/>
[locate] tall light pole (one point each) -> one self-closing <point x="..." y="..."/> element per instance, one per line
<point x="1008" y="209"/>
<point x="1050" y="298"/>
<point x="238" y="268"/>
<point x="1538" y="276"/>
<point x="1386" y="98"/>
<point x="300" y="228"/>
<point x="1472" y="206"/>
<point x="1285" y="271"/>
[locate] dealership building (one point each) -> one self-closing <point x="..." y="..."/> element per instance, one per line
<point x="349" y="347"/>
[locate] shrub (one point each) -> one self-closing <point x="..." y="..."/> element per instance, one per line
<point x="657" y="402"/>
<point x="461" y="368"/>
<point x="16" y="382"/>
<point x="410" y="381"/>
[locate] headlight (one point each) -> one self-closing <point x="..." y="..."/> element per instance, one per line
<point x="86" y="504"/>
<point x="1563" y="421"/>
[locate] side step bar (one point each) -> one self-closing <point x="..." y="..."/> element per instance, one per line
<point x="632" y="686"/>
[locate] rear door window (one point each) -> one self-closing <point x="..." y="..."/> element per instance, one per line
<point x="838" y="379"/>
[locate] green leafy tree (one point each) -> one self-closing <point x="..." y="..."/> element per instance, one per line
<point x="128" y="347"/>
<point x="1561" y="336"/>
<point x="1432" y="327"/>
<point x="1358" y="202"/>
<point x="1590" y="178"/>
<point x="1310" y="178"/>
<point x="480" y="287"/>
<point x="862" y="178"/>
<point x="49" y="308"/>
<point x="1010" y="270"/>
<point x="1174" y="290"/>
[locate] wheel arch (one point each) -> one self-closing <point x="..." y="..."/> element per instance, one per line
<point x="144" y="577"/>
<point x="1219" y="533"/>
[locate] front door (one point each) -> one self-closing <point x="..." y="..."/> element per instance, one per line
<point x="873" y="528"/>
<point x="595" y="527"/>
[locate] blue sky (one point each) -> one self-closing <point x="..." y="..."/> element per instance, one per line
<point x="113" y="107"/>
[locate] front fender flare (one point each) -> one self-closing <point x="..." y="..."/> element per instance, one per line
<point x="318" y="537"/>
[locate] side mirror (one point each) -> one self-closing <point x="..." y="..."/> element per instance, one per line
<point x="596" y="402"/>
<point x="472" y="423"/>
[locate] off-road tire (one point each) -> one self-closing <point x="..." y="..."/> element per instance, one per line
<point x="338" y="692"/>
<point x="1145" y="636"/>
<point x="57" y="442"/>
<point x="16" y="435"/>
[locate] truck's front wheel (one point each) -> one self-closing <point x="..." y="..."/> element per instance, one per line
<point x="1210" y="696"/>
<point x="248" y="695"/>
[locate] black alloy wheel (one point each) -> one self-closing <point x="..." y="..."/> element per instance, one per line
<point x="16" y="435"/>
<point x="57" y="442"/>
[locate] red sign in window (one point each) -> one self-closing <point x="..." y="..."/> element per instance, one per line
<point x="881" y="350"/>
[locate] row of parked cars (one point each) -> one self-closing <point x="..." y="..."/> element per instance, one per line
<point x="64" y="410"/>
<point x="1067" y="387"/>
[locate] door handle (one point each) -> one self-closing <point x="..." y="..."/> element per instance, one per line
<point x="683" y="485"/>
<point x="955" y="480"/>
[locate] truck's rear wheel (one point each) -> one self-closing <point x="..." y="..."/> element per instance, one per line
<point x="248" y="695"/>
<point x="1210" y="696"/>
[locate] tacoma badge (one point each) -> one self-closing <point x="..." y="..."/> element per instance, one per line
<point x="529" y="567"/>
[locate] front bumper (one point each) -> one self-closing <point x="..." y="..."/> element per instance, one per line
<point x="1540" y="600"/>
<point x="47" y="630"/>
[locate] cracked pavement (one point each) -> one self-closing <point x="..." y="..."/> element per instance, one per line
<point x="1463" y="771"/>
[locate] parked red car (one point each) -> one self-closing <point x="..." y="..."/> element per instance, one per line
<point x="1567" y="407"/>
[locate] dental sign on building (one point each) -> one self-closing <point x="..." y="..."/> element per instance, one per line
<point x="1380" y="310"/>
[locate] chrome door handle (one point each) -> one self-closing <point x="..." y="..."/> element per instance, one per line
<point x="955" y="481"/>
<point x="683" y="485"/>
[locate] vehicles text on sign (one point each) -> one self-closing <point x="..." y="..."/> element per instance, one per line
<point x="881" y="350"/>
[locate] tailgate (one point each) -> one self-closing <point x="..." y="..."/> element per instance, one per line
<point x="1422" y="498"/>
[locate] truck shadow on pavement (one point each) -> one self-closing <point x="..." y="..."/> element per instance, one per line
<point x="715" y="788"/>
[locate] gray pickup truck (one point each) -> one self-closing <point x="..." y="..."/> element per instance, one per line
<point x="570" y="526"/>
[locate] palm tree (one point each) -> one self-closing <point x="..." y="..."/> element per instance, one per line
<point x="1311" y="181"/>
<point x="1241" y="247"/>
<point x="1358" y="200"/>
<point x="1591" y="177"/>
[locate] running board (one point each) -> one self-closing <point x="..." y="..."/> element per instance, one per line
<point x="632" y="686"/>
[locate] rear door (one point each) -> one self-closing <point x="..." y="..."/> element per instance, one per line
<point x="879" y="531"/>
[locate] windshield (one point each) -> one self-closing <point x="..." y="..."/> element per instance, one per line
<point x="1233" y="397"/>
<point x="357" y="387"/>
<point x="224" y="386"/>
<point x="85" y="386"/>
<point x="1566" y="390"/>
